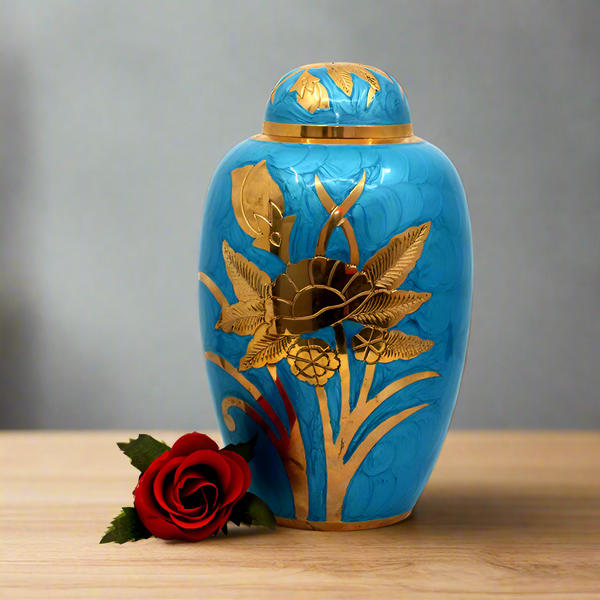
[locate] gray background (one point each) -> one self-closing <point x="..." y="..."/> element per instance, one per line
<point x="114" y="115"/>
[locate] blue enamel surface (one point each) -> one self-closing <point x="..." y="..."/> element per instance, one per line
<point x="388" y="107"/>
<point x="406" y="185"/>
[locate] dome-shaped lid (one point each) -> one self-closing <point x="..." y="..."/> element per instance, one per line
<point x="339" y="101"/>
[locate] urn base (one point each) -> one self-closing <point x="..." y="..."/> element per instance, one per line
<point x="341" y="525"/>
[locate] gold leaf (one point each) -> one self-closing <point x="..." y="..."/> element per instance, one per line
<point x="341" y="77"/>
<point x="392" y="264"/>
<point x="366" y="75"/>
<point x="265" y="348"/>
<point x="249" y="282"/>
<point x="258" y="205"/>
<point x="311" y="94"/>
<point x="379" y="71"/>
<point x="370" y="95"/>
<point x="385" y="308"/>
<point x="403" y="346"/>
<point x="242" y="318"/>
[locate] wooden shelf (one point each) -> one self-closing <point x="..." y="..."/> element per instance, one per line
<point x="505" y="515"/>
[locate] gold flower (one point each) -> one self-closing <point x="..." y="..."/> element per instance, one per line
<point x="312" y="361"/>
<point x="317" y="293"/>
<point x="320" y="292"/>
<point x="368" y="344"/>
<point x="373" y="345"/>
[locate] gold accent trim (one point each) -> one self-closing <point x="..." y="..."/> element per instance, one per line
<point x="357" y="141"/>
<point x="294" y="458"/>
<point x="310" y="94"/>
<point x="214" y="290"/>
<point x="337" y="132"/>
<point x="341" y="525"/>
<point x="374" y="436"/>
<point x="231" y="370"/>
<point x="313" y="294"/>
<point x="337" y="217"/>
<point x="340" y="74"/>
<point x="342" y="350"/>
<point x="330" y="206"/>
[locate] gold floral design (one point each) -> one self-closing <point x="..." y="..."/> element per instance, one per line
<point x="310" y="295"/>
<point x="321" y="292"/>
<point x="312" y="95"/>
<point x="258" y="206"/>
<point x="316" y="293"/>
<point x="312" y="361"/>
<point x="374" y="344"/>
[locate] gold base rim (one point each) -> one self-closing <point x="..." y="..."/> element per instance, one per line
<point x="342" y="525"/>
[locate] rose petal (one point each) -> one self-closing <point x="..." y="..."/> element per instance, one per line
<point x="241" y="479"/>
<point x="190" y="442"/>
<point x="158" y="526"/>
<point x="191" y="481"/>
<point x="236" y="484"/>
<point x="224" y="515"/>
<point x="197" y="535"/>
<point x="194" y="523"/>
<point x="188" y="485"/>
<point x="209" y="492"/>
<point x="159" y="482"/>
<point x="172" y="499"/>
<point x="211" y="459"/>
<point x="144" y="491"/>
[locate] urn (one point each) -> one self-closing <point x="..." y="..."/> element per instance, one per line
<point x="335" y="296"/>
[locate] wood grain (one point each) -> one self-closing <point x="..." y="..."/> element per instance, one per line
<point x="505" y="515"/>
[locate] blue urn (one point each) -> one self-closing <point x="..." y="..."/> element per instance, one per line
<point x="335" y="297"/>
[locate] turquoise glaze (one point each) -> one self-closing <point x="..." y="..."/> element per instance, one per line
<point x="406" y="185"/>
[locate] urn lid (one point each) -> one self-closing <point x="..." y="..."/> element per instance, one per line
<point x="337" y="101"/>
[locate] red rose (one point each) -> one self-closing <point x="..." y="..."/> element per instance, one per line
<point x="188" y="492"/>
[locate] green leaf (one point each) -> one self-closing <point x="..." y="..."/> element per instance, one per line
<point x="244" y="449"/>
<point x="143" y="450"/>
<point x="126" y="527"/>
<point x="251" y="510"/>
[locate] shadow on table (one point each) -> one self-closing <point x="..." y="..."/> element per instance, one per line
<point x="498" y="509"/>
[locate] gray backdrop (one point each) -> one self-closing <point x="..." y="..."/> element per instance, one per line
<point x="114" y="115"/>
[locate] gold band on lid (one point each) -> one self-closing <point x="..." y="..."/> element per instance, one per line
<point x="337" y="134"/>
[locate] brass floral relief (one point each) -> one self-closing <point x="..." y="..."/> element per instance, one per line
<point x="316" y="293"/>
<point x="258" y="206"/>
<point x="312" y="95"/>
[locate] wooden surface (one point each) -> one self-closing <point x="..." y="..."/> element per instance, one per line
<point x="505" y="515"/>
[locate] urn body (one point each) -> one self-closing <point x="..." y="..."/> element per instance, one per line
<point x="335" y="295"/>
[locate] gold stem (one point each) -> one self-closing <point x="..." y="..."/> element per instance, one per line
<point x="329" y="205"/>
<point x="337" y="216"/>
<point x="335" y="475"/>
<point x="214" y="289"/>
<point x="374" y="436"/>
<point x="366" y="386"/>
<point x="325" y="419"/>
<point x="286" y="230"/>
<point x="342" y="350"/>
<point x="294" y="462"/>
<point x="338" y="478"/>
<point x="364" y="410"/>
<point x="229" y="368"/>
